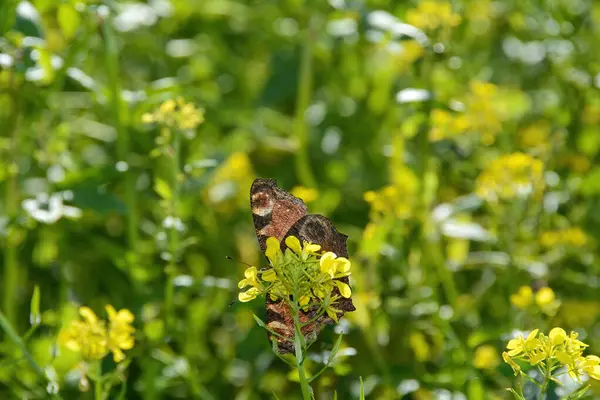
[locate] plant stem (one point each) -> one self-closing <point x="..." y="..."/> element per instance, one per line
<point x="11" y="267"/>
<point x="123" y="147"/>
<point x="303" y="169"/>
<point x="98" y="395"/>
<point x="6" y="326"/>
<point x="173" y="233"/>
<point x="300" y="357"/>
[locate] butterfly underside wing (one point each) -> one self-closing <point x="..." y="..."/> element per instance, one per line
<point x="279" y="214"/>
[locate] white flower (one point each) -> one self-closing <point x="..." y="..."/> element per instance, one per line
<point x="49" y="209"/>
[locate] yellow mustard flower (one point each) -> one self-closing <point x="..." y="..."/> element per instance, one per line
<point x="482" y="111"/>
<point x="87" y="336"/>
<point x="555" y="349"/>
<point x="251" y="279"/>
<point x="544" y="298"/>
<point x="305" y="193"/>
<point x="523" y="298"/>
<point x="433" y="15"/>
<point x="510" y="176"/>
<point x="446" y="125"/>
<point x="304" y="271"/>
<point x="536" y="136"/>
<point x="486" y="357"/>
<point x="94" y="339"/>
<point x="176" y="114"/>
<point x="120" y="332"/>
<point x="304" y="250"/>
<point x="396" y="200"/>
<point x="574" y="237"/>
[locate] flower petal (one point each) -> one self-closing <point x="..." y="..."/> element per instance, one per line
<point x="344" y="289"/>
<point x="273" y="249"/>
<point x="293" y="244"/>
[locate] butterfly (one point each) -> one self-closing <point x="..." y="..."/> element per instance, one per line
<point x="277" y="213"/>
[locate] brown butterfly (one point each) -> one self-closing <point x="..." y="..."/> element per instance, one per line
<point x="279" y="214"/>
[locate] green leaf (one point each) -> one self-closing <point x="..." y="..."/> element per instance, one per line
<point x="8" y="13"/>
<point x="68" y="20"/>
<point x="517" y="395"/>
<point x="336" y="348"/>
<point x="362" y="389"/>
<point x="163" y="189"/>
<point x="34" y="309"/>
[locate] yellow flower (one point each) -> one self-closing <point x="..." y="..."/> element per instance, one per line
<point x="536" y="136"/>
<point x="482" y="111"/>
<point x="433" y="15"/>
<point x="120" y="332"/>
<point x="176" y="113"/>
<point x="87" y="336"/>
<point x="510" y="176"/>
<point x="273" y="251"/>
<point x="557" y="336"/>
<point x="486" y="357"/>
<point x="521" y="345"/>
<point x="94" y="340"/>
<point x="591" y="366"/>
<point x="304" y="275"/>
<point x="544" y="297"/>
<point x="333" y="265"/>
<point x="251" y="279"/>
<point x="397" y="200"/>
<point x="445" y="125"/>
<point x="293" y="243"/>
<point x="554" y="350"/>
<point x="574" y="237"/>
<point x="249" y="294"/>
<point x="523" y="298"/>
<point x="305" y="193"/>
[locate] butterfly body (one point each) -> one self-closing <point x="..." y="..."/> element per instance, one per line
<point x="277" y="213"/>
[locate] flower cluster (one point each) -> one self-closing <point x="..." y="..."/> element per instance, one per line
<point x="95" y="338"/>
<point x="445" y="125"/>
<point x="574" y="237"/>
<point x="544" y="299"/>
<point x="483" y="111"/>
<point x="176" y="114"/>
<point x="552" y="352"/>
<point x="303" y="272"/>
<point x="510" y="176"/>
<point x="307" y="194"/>
<point x="433" y="16"/>
<point x="397" y="200"/>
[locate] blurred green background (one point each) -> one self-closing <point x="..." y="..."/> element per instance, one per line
<point x="456" y="143"/>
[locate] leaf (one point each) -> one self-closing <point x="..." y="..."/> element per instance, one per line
<point x="68" y="20"/>
<point x="362" y="389"/>
<point x="34" y="309"/>
<point x="517" y="395"/>
<point x="163" y="189"/>
<point x="283" y="80"/>
<point x="87" y="197"/>
<point x="8" y="13"/>
<point x="336" y="348"/>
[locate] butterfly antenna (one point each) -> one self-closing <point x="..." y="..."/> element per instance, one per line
<point x="238" y="261"/>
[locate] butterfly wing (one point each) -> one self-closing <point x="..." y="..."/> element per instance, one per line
<point x="277" y="213"/>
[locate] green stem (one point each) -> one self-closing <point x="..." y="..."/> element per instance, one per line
<point x="173" y="233"/>
<point x="6" y="326"/>
<point x="123" y="146"/>
<point x="98" y="395"/>
<point x="300" y="357"/>
<point x="303" y="169"/>
<point x="11" y="267"/>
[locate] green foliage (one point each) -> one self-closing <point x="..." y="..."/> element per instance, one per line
<point x="461" y="158"/>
